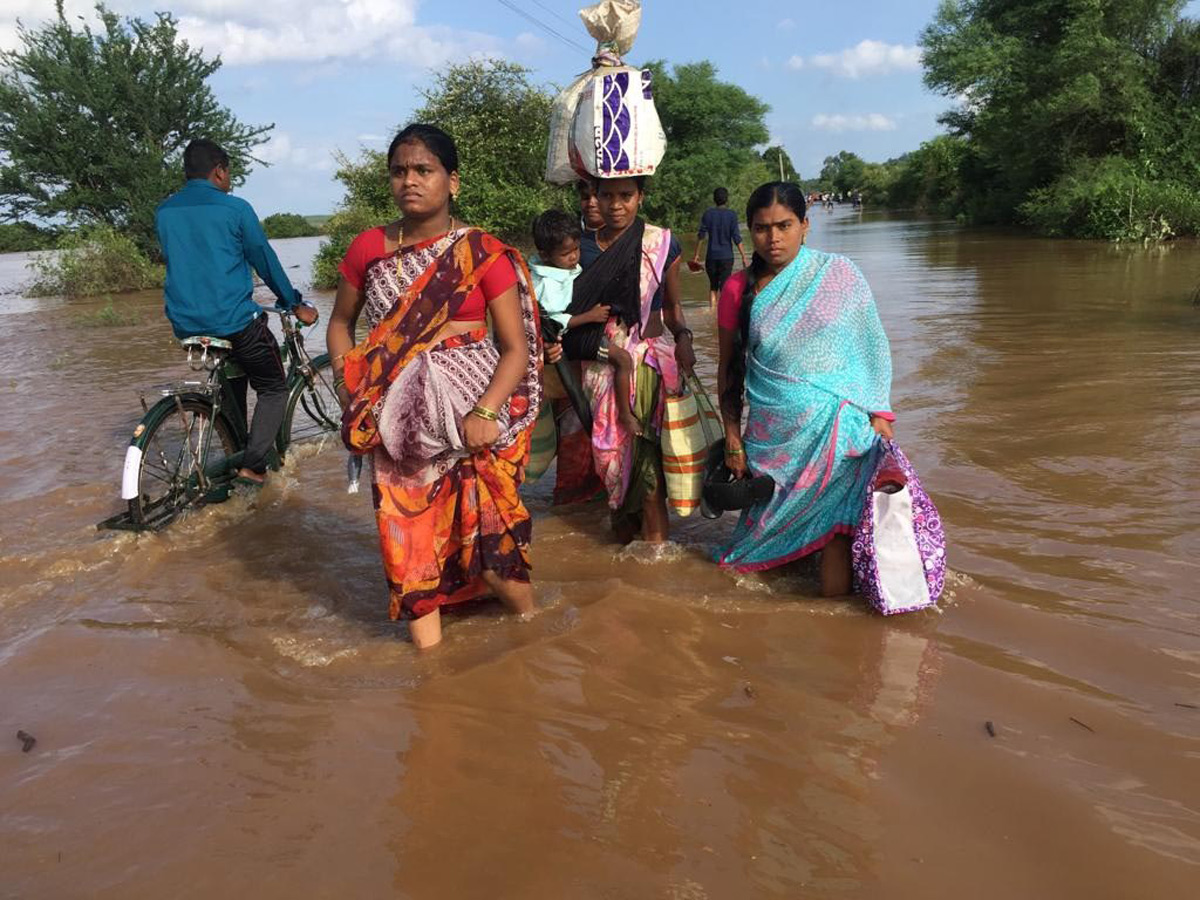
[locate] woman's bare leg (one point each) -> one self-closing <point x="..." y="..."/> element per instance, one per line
<point x="656" y="527"/>
<point x="426" y="631"/>
<point x="516" y="595"/>
<point x="836" y="575"/>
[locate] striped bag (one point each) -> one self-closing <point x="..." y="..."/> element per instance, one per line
<point x="690" y="426"/>
<point x="543" y="444"/>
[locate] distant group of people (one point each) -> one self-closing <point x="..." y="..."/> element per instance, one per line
<point x="444" y="391"/>
<point x="829" y="199"/>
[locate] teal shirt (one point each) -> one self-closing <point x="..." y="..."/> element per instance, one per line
<point x="552" y="287"/>
<point x="210" y="241"/>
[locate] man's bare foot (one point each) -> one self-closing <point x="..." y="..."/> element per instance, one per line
<point x="630" y="422"/>
<point x="251" y="475"/>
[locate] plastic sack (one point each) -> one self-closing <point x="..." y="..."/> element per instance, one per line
<point x="616" y="132"/>
<point x="562" y="116"/>
<point x="604" y="125"/>
<point x="899" y="550"/>
<point x="613" y="23"/>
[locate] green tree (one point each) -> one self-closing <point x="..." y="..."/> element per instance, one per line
<point x="712" y="129"/>
<point x="93" y="123"/>
<point x="499" y="122"/>
<point x="289" y="225"/>
<point x="1071" y="97"/>
<point x="777" y="158"/>
<point x="843" y="172"/>
<point x="367" y="204"/>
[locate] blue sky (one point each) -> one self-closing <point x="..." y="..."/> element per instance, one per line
<point x="336" y="75"/>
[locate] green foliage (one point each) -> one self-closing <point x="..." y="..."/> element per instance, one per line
<point x="93" y="123"/>
<point x="289" y="225"/>
<point x="93" y="263"/>
<point x="1110" y="199"/>
<point x="712" y="129"/>
<point x="499" y="122"/>
<point x="843" y="172"/>
<point x="1055" y="93"/>
<point x="108" y="316"/>
<point x="368" y="203"/>
<point x="18" y="236"/>
<point x="776" y="158"/>
<point x="931" y="178"/>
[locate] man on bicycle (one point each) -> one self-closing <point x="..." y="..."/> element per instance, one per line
<point x="211" y="241"/>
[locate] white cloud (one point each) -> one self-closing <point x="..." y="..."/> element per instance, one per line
<point x="246" y="32"/>
<point x="869" y="58"/>
<point x="795" y="62"/>
<point x="786" y="25"/>
<point x="280" y="151"/>
<point x="838" y="122"/>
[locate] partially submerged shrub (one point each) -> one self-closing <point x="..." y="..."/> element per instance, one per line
<point x="108" y="316"/>
<point x="92" y="263"/>
<point x="1110" y="199"/>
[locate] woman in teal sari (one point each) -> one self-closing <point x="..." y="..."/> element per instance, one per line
<point x="802" y="344"/>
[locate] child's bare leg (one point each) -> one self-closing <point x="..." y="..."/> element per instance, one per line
<point x="622" y="362"/>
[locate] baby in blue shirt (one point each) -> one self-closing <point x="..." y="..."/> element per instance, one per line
<point x="556" y="235"/>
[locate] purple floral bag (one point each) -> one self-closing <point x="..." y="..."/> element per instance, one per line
<point x="899" y="548"/>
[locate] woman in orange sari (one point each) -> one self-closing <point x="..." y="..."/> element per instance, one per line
<point x="445" y="409"/>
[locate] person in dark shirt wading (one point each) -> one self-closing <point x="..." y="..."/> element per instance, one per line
<point x="720" y="225"/>
<point x="210" y="241"/>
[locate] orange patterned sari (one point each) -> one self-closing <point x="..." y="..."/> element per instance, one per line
<point x="445" y="519"/>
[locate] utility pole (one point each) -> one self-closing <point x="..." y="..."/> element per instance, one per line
<point x="781" y="178"/>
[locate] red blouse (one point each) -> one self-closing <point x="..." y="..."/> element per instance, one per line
<point x="372" y="245"/>
<point x="729" y="306"/>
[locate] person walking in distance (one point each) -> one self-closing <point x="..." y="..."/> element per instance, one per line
<point x="719" y="225"/>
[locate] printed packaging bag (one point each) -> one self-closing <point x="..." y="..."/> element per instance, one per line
<point x="899" y="551"/>
<point x="605" y="125"/>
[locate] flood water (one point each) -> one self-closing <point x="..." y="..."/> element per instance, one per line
<point x="224" y="709"/>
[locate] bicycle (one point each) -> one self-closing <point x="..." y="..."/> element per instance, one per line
<point x="173" y="463"/>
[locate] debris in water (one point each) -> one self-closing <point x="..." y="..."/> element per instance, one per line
<point x="990" y="728"/>
<point x="27" y="741"/>
<point x="1082" y="724"/>
<point x="1187" y="705"/>
<point x="750" y="691"/>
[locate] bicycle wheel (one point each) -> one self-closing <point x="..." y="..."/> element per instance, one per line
<point x="313" y="409"/>
<point x="167" y="456"/>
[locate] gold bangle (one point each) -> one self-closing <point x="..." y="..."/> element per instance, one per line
<point x="739" y="451"/>
<point x="483" y="412"/>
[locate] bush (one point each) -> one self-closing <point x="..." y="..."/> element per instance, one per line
<point x="21" y="236"/>
<point x="289" y="225"/>
<point x="108" y="317"/>
<point x="342" y="227"/>
<point x="95" y="262"/>
<point x="1110" y="199"/>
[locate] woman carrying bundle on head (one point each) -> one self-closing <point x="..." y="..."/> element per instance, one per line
<point x="802" y="344"/>
<point x="632" y="268"/>
<point x="445" y="410"/>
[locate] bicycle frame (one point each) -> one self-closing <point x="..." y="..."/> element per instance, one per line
<point x="221" y="393"/>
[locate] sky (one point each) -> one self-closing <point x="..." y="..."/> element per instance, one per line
<point x="338" y="75"/>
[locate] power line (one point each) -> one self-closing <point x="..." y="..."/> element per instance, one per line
<point x="540" y="24"/>
<point x="568" y="22"/>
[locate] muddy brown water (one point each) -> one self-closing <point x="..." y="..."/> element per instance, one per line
<point x="223" y="709"/>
